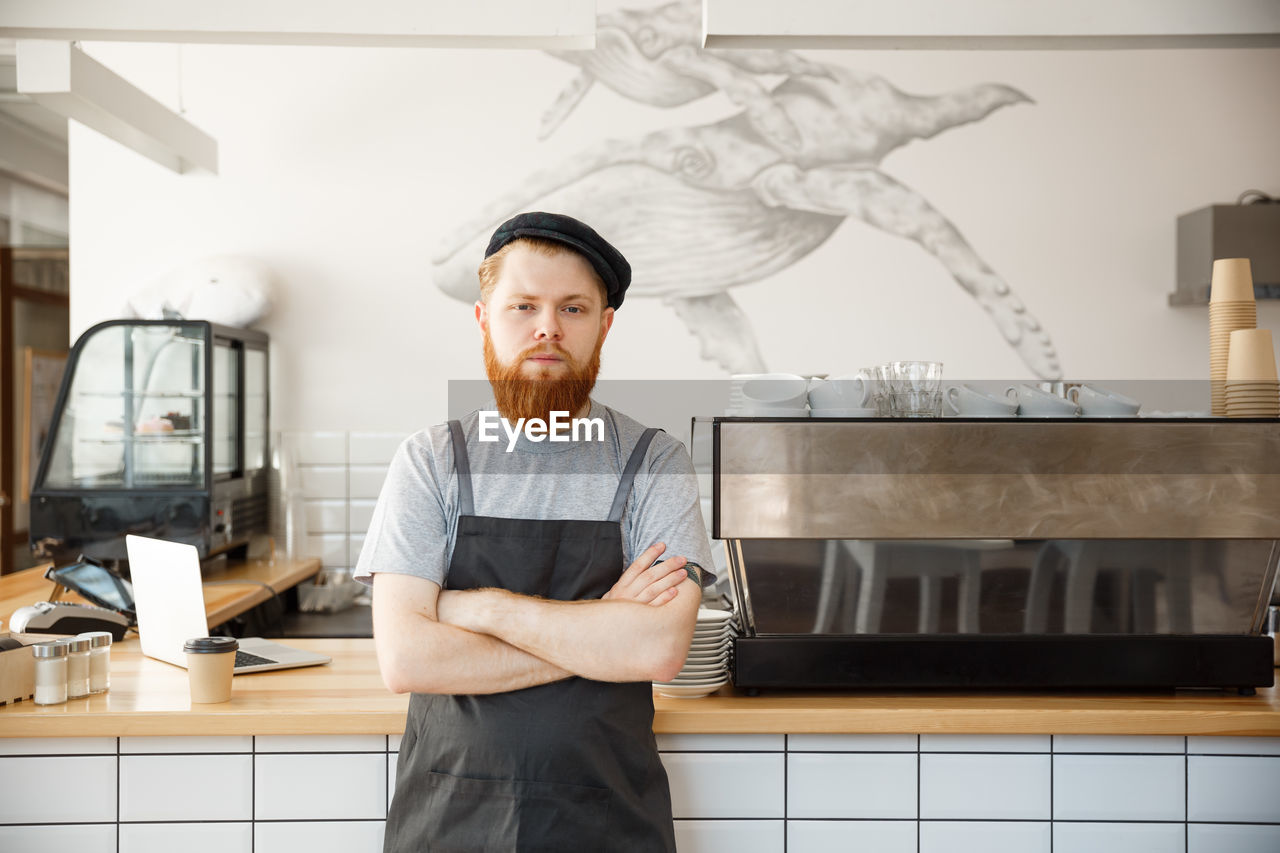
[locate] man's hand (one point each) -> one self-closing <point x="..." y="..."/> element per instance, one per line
<point x="648" y="583"/>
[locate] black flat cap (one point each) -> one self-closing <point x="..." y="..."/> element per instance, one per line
<point x="607" y="261"/>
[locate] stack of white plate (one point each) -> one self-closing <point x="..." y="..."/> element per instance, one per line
<point x="707" y="667"/>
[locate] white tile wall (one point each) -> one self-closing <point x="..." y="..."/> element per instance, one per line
<point x="730" y="792"/>
<point x="852" y="743"/>
<point x="984" y="743"/>
<point x="56" y="746"/>
<point x="173" y="787"/>
<point x="721" y="784"/>
<point x="340" y="475"/>
<point x="331" y="548"/>
<point x="359" y="514"/>
<point x="61" y="838"/>
<point x="825" y="836"/>
<point x="328" y="516"/>
<point x="1233" y="745"/>
<point x="392" y="758"/>
<point x="854" y="785"/>
<point x="1228" y="838"/>
<point x="32" y="789"/>
<point x="320" y="743"/>
<point x="1119" y="787"/>
<point x="373" y="448"/>
<point x="979" y="837"/>
<point x="317" y="448"/>
<point x="1006" y="787"/>
<point x="1119" y="838"/>
<point x="721" y="743"/>
<point x="738" y="836"/>
<point x="1233" y="788"/>
<point x="365" y="481"/>
<point x="222" y="744"/>
<point x="319" y="837"/>
<point x="171" y="837"/>
<point x="1143" y="744"/>
<point x="301" y="786"/>
<point x="323" y="481"/>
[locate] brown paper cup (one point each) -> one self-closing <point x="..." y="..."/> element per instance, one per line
<point x="1232" y="281"/>
<point x="210" y="665"/>
<point x="1252" y="357"/>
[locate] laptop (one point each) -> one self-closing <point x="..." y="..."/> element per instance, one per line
<point x="169" y="602"/>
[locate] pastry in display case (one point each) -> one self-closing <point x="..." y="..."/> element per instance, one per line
<point x="160" y="429"/>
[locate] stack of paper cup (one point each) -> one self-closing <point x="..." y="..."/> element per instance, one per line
<point x="1252" y="388"/>
<point x="1231" y="307"/>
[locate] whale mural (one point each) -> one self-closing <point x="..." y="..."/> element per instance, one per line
<point x="701" y="209"/>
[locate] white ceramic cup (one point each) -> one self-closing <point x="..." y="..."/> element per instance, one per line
<point x="965" y="400"/>
<point x="1034" y="403"/>
<point x="1097" y="402"/>
<point x="771" y="390"/>
<point x="840" y="392"/>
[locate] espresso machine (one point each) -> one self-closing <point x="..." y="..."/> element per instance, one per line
<point x="1128" y="553"/>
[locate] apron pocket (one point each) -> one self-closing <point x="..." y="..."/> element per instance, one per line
<point x="511" y="814"/>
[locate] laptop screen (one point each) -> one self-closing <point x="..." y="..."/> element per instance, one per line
<point x="167" y="596"/>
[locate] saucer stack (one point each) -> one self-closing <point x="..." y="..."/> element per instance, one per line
<point x="1252" y="390"/>
<point x="768" y="395"/>
<point x="1231" y="307"/>
<point x="706" y="669"/>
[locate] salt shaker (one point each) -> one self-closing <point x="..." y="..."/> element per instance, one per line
<point x="51" y="672"/>
<point x="99" y="660"/>
<point x="77" y="668"/>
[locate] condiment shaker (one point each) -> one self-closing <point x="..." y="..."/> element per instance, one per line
<point x="99" y="660"/>
<point x="77" y="667"/>
<point x="51" y="672"/>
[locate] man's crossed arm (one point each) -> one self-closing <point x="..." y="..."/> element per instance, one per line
<point x="491" y="641"/>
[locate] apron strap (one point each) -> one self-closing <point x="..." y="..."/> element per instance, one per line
<point x="629" y="474"/>
<point x="462" y="464"/>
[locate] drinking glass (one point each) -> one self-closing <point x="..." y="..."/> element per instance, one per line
<point x="915" y="389"/>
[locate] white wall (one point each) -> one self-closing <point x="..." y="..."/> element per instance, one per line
<point x="343" y="168"/>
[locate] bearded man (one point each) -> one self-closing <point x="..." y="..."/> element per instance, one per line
<point x="527" y="595"/>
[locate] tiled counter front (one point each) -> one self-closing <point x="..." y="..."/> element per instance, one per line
<point x="744" y="793"/>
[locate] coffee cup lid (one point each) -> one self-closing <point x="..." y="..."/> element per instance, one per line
<point x="210" y="645"/>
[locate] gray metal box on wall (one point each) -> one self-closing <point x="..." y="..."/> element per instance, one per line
<point x="1227" y="231"/>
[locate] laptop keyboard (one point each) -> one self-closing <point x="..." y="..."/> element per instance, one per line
<point x="246" y="659"/>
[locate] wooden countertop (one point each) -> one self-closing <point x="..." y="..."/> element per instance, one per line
<point x="347" y="696"/>
<point x="227" y="593"/>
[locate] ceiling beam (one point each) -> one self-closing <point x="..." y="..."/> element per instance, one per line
<point x="537" y="24"/>
<point x="61" y="77"/>
<point x="990" y="24"/>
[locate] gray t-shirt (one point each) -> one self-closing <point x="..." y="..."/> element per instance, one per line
<point x="416" y="518"/>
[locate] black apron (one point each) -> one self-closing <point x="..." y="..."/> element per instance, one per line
<point x="571" y="765"/>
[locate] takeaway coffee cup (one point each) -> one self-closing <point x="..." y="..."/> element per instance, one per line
<point x="210" y="661"/>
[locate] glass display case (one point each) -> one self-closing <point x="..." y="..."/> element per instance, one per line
<point x="998" y="553"/>
<point x="160" y="429"/>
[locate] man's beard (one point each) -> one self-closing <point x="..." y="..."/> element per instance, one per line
<point x="519" y="396"/>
